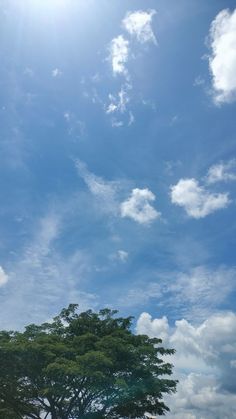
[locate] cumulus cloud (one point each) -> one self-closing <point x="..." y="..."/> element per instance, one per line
<point x="119" y="53"/>
<point x="138" y="24"/>
<point x="138" y="206"/>
<point x="199" y="396"/>
<point x="197" y="201"/>
<point x="222" y="172"/>
<point x="209" y="392"/>
<point x="222" y="61"/>
<point x="107" y="194"/>
<point x="3" y="277"/>
<point x="153" y="327"/>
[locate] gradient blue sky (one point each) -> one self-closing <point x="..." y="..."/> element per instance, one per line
<point x="118" y="170"/>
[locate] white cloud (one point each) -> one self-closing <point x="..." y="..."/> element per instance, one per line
<point x="203" y="364"/>
<point x="196" y="200"/>
<point x="138" y="24"/>
<point x="119" y="102"/>
<point x="138" y="207"/>
<point x="28" y="72"/>
<point x="222" y="61"/>
<point x="214" y="340"/>
<point x="199" y="396"/>
<point x="198" y="292"/>
<point x="119" y="53"/>
<point x="222" y="172"/>
<point x="76" y="127"/>
<point x="198" y="81"/>
<point x="140" y="295"/>
<point x="105" y="192"/>
<point x="56" y="72"/>
<point x="3" y="277"/>
<point x="118" y="106"/>
<point x="193" y="294"/>
<point x="153" y="328"/>
<point x="131" y="118"/>
<point x="116" y="123"/>
<point x="122" y="255"/>
<point x="107" y="195"/>
<point x="41" y="279"/>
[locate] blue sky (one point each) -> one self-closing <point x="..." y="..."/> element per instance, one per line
<point x="118" y="170"/>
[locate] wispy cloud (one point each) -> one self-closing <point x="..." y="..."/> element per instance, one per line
<point x="42" y="280"/>
<point x="76" y="127"/>
<point x="56" y="72"/>
<point x="120" y="255"/>
<point x="222" y="172"/>
<point x="194" y="293"/>
<point x="197" y="201"/>
<point x="200" y="291"/>
<point x="108" y="196"/>
<point x="3" y="277"/>
<point x="104" y="191"/>
<point x="138" y="24"/>
<point x="138" y="207"/>
<point x="28" y="72"/>
<point x="222" y="61"/>
<point x="118" y="103"/>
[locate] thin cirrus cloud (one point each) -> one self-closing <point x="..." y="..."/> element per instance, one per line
<point x="222" y="61"/>
<point x="120" y="256"/>
<point x="3" y="277"/>
<point x="138" y="206"/>
<point x="208" y="389"/>
<point x="40" y="276"/>
<point x="193" y="294"/>
<point x="56" y="72"/>
<point x="222" y="172"/>
<point x="104" y="192"/>
<point x="138" y="24"/>
<point x="197" y="201"/>
<point x="204" y="289"/>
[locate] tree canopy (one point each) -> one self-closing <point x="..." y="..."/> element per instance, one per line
<point x="87" y="366"/>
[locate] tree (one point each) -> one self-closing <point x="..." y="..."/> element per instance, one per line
<point x="87" y="366"/>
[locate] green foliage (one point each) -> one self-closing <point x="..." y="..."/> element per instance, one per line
<point x="88" y="366"/>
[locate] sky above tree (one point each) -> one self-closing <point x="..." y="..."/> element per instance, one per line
<point x="118" y="170"/>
